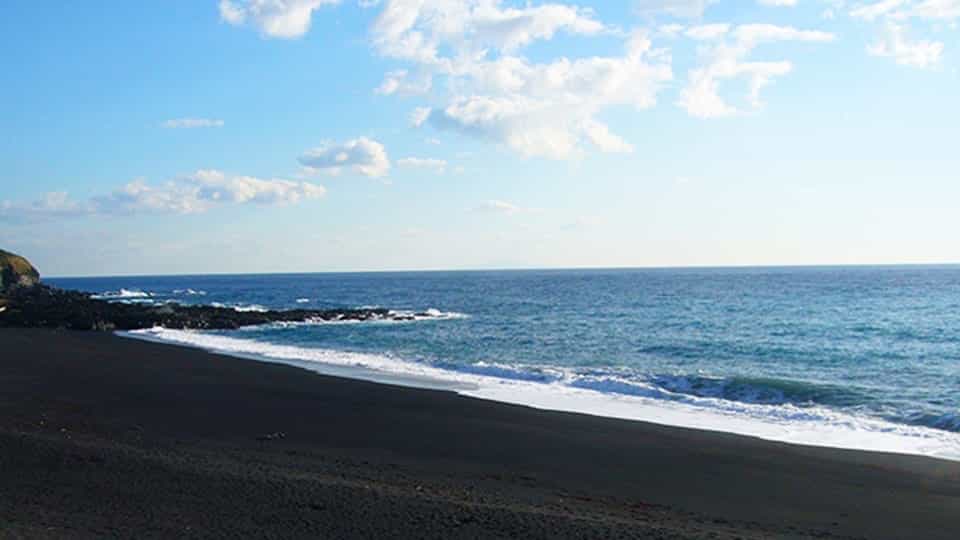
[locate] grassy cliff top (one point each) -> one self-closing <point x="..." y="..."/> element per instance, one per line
<point x="15" y="269"/>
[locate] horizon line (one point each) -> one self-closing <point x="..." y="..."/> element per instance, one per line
<point x="520" y="269"/>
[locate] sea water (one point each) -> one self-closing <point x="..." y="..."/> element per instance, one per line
<point x="857" y="357"/>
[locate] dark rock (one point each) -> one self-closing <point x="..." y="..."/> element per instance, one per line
<point x="48" y="307"/>
<point x="25" y="302"/>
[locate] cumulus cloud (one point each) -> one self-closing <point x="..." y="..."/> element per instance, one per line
<point x="364" y="156"/>
<point x="218" y="187"/>
<point x="194" y="193"/>
<point x="203" y="190"/>
<point x="436" y="165"/>
<point x="418" y="30"/>
<point x="727" y="59"/>
<point x="190" y="123"/>
<point x="545" y="108"/>
<point x="285" y="19"/>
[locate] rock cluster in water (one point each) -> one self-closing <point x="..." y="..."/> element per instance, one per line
<point x="43" y="306"/>
<point x="25" y="302"/>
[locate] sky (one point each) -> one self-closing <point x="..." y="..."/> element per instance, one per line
<point x="233" y="136"/>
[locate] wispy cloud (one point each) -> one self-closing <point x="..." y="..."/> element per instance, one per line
<point x="726" y="58"/>
<point x="436" y="165"/>
<point x="504" y="207"/>
<point x="895" y="43"/>
<point x="898" y="19"/>
<point x="675" y="8"/>
<point x="195" y="193"/>
<point x="191" y="123"/>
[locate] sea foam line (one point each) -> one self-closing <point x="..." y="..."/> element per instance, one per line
<point x="559" y="390"/>
<point x="122" y="293"/>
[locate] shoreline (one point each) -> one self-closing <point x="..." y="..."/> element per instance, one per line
<point x="756" y="420"/>
<point x="105" y="435"/>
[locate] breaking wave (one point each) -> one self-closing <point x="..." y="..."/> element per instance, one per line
<point x="122" y="294"/>
<point x="789" y="411"/>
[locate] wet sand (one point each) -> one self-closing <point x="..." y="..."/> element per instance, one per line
<point x="105" y="436"/>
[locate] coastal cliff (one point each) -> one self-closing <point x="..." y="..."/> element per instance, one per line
<point x="15" y="271"/>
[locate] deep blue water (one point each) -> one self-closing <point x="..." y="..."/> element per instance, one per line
<point x="872" y="342"/>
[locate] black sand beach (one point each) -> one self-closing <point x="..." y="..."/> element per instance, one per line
<point x="102" y="436"/>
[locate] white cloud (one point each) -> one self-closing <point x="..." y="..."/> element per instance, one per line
<point x="216" y="186"/>
<point x="676" y="8"/>
<point x="503" y="207"/>
<point x="273" y="18"/>
<point x="777" y="3"/>
<point x="190" y="194"/>
<point x="138" y="196"/>
<point x="895" y="44"/>
<point x="895" y="16"/>
<point x="203" y="190"/>
<point x="727" y="59"/>
<point x="189" y="123"/>
<point x="938" y="9"/>
<point x="869" y="12"/>
<point x="400" y="82"/>
<point x="436" y="165"/>
<point x="547" y="108"/>
<point x="419" y="116"/>
<point x="670" y="30"/>
<point x="418" y="29"/>
<point x="707" y="31"/>
<point x="364" y="156"/>
<point x="50" y="205"/>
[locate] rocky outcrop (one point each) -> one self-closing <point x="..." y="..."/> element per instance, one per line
<point x="48" y="307"/>
<point x="16" y="272"/>
<point x="25" y="303"/>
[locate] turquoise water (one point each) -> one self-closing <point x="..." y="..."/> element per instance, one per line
<point x="864" y="343"/>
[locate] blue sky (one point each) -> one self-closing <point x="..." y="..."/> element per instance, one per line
<point x="319" y="135"/>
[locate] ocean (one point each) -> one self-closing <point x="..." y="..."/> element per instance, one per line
<point x="853" y="357"/>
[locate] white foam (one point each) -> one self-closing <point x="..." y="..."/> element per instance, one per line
<point x="391" y="317"/>
<point x="431" y="314"/>
<point x="316" y="359"/>
<point x="241" y="307"/>
<point x="190" y="292"/>
<point x="303" y="300"/>
<point x="562" y="390"/>
<point x="122" y="293"/>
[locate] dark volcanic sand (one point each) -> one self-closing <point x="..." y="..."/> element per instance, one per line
<point x="105" y="436"/>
